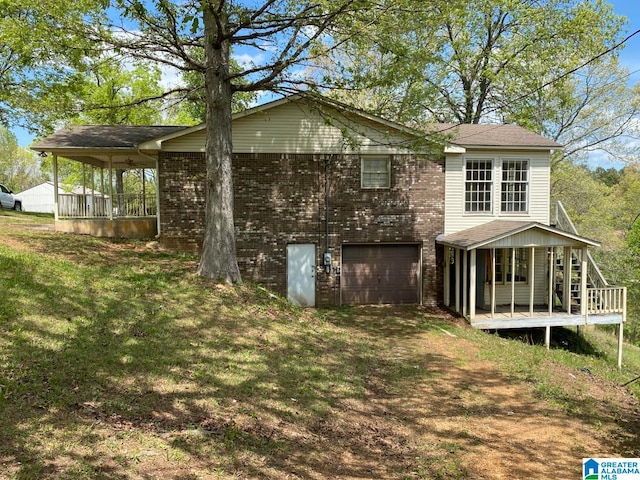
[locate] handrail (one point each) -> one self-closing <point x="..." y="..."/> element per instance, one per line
<point x="606" y="300"/>
<point x="99" y="206"/>
<point x="563" y="222"/>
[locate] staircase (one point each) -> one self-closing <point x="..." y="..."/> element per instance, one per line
<point x="602" y="298"/>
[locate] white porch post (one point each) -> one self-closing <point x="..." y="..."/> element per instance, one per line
<point x="621" y="330"/>
<point x="93" y="193"/>
<point x="102" y="192"/>
<point x="465" y="283"/>
<point x="56" y="199"/>
<point x="566" y="288"/>
<point x="532" y="279"/>
<point x="493" y="282"/>
<point x="513" y="281"/>
<point x="447" y="276"/>
<point x="144" y="196"/>
<point x="458" y="270"/>
<point x="547" y="337"/>
<point x="552" y="276"/>
<point x="583" y="283"/>
<point x="472" y="285"/>
<point x="620" y="341"/>
<point x="158" y="195"/>
<point x="111" y="186"/>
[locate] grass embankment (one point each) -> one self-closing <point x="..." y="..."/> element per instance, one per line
<point x="116" y="362"/>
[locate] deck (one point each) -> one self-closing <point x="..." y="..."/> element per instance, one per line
<point x="523" y="318"/>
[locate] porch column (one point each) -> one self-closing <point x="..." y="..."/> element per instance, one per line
<point x="84" y="190"/>
<point x="158" y="194"/>
<point x="566" y="281"/>
<point x="532" y="279"/>
<point x="547" y="337"/>
<point x="493" y="283"/>
<point x="93" y="193"/>
<point x="583" y="284"/>
<point x="620" y="333"/>
<point x="144" y="196"/>
<point x="621" y="330"/>
<point x="56" y="200"/>
<point x="458" y="270"/>
<point x="102" y="193"/>
<point x="465" y="283"/>
<point x="513" y="281"/>
<point x="472" y="285"/>
<point x="447" y="276"/>
<point x="111" y="186"/>
<point x="552" y="276"/>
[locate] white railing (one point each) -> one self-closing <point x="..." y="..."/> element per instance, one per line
<point x="97" y="206"/>
<point x="606" y="300"/>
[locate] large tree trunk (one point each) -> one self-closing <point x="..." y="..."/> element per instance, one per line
<point x="219" y="248"/>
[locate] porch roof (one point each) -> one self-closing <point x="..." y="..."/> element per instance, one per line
<point x="94" y="144"/>
<point x="509" y="233"/>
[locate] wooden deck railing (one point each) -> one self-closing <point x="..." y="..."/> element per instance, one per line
<point x="606" y="300"/>
<point x="94" y="206"/>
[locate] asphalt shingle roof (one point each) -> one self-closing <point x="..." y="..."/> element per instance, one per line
<point x="474" y="135"/>
<point x="103" y="136"/>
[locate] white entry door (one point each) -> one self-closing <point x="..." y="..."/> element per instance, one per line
<point x="301" y="274"/>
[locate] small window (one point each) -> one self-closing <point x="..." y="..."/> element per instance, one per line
<point x="478" y="186"/>
<point x="504" y="265"/>
<point x="520" y="270"/>
<point x="375" y="172"/>
<point x="515" y="182"/>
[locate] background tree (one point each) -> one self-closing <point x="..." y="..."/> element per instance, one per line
<point x="43" y="48"/>
<point x="19" y="168"/>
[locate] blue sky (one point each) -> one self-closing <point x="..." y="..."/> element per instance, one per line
<point x="629" y="56"/>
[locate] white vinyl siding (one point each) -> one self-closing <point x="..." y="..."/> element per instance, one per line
<point x="522" y="290"/>
<point x="297" y="128"/>
<point x="538" y="203"/>
<point x="375" y="172"/>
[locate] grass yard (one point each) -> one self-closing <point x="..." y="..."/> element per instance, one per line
<point x="118" y="362"/>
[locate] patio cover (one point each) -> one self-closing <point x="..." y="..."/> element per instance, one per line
<point x="513" y="234"/>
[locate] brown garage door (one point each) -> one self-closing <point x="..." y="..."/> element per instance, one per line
<point x="380" y="274"/>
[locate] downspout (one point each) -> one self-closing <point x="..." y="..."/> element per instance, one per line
<point x="155" y="160"/>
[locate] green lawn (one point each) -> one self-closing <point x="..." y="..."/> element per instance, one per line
<point x="117" y="361"/>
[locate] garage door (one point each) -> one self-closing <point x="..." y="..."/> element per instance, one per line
<point x="373" y="274"/>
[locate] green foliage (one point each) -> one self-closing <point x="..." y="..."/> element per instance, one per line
<point x="19" y="168"/>
<point x="492" y="60"/>
<point x="41" y="55"/>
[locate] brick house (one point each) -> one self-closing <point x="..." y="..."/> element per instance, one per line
<point x="336" y="206"/>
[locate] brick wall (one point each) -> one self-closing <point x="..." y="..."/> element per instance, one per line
<point x="280" y="199"/>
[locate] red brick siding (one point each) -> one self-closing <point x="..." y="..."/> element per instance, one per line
<point x="280" y="199"/>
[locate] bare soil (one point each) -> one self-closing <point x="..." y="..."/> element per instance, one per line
<point x="461" y="417"/>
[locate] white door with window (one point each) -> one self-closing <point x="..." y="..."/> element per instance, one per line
<point x="301" y="274"/>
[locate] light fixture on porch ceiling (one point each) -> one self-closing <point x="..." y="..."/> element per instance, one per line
<point x="42" y="154"/>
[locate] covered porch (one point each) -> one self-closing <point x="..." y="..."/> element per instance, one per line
<point x="508" y="274"/>
<point x="100" y="207"/>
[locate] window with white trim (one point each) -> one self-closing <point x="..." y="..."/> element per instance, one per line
<point x="504" y="269"/>
<point x="478" y="186"/>
<point x="375" y="172"/>
<point x="515" y="185"/>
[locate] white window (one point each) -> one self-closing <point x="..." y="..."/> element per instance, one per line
<point x="478" y="186"/>
<point x="514" y="186"/>
<point x="504" y="266"/>
<point x="375" y="172"/>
